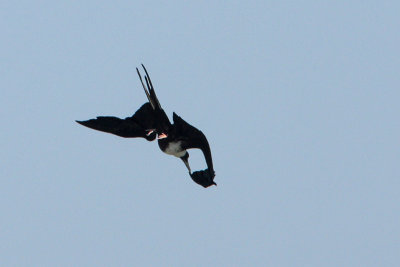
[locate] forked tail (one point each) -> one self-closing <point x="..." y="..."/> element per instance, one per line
<point x="149" y="90"/>
<point x="162" y="122"/>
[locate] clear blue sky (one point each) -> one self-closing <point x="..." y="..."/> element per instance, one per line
<point x="299" y="101"/>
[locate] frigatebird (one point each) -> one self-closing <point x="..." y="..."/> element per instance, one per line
<point x="151" y="122"/>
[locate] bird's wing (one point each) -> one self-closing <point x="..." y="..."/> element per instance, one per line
<point x="139" y="125"/>
<point x="194" y="138"/>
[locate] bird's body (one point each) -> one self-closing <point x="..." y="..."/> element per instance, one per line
<point x="173" y="148"/>
<point x="150" y="121"/>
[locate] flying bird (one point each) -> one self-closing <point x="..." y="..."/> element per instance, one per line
<point x="151" y="122"/>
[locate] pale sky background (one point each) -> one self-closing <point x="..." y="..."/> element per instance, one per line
<point x="299" y="101"/>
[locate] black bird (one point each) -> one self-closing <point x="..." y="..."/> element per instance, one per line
<point x="151" y="122"/>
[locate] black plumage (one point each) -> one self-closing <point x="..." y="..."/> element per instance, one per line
<point x="150" y="121"/>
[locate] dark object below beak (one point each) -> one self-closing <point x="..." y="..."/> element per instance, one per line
<point x="203" y="178"/>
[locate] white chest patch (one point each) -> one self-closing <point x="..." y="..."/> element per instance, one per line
<point x="175" y="149"/>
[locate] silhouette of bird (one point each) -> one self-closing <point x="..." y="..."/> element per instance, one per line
<point x="151" y="122"/>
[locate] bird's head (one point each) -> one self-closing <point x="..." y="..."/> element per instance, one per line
<point x="151" y="135"/>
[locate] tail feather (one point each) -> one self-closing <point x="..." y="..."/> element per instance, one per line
<point x="146" y="90"/>
<point x="151" y="87"/>
<point x="162" y="121"/>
